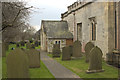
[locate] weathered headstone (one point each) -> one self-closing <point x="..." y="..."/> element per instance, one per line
<point x="28" y="45"/>
<point x="17" y="64"/>
<point x="88" y="48"/>
<point x="36" y="43"/>
<point x="66" y="55"/>
<point x="56" y="50"/>
<point x="34" y="58"/>
<point x="77" y="49"/>
<point x="95" y="61"/>
<point x="33" y="46"/>
<point x="22" y="43"/>
<point x="17" y="45"/>
<point x="39" y="42"/>
<point x="31" y="41"/>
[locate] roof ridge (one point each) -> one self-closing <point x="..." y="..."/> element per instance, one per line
<point x="54" y="21"/>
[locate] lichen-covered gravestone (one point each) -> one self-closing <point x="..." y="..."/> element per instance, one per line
<point x="56" y="50"/>
<point x="17" y="64"/>
<point x="88" y="48"/>
<point x="34" y="58"/>
<point x="66" y="55"/>
<point x="28" y="45"/>
<point x="95" y="61"/>
<point x="77" y="49"/>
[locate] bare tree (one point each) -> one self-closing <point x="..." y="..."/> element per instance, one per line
<point x="14" y="19"/>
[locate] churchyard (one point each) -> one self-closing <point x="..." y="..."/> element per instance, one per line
<point x="88" y="64"/>
<point x="34" y="70"/>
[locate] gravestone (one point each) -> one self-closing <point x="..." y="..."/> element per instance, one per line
<point x="66" y="55"/>
<point x="36" y="43"/>
<point x="88" y="48"/>
<point x="71" y="49"/>
<point x="17" y="64"/>
<point x="22" y="43"/>
<point x="39" y="42"/>
<point x="77" y="49"/>
<point x="3" y="50"/>
<point x="95" y="61"/>
<point x="17" y="45"/>
<point x="56" y="50"/>
<point x="34" y="58"/>
<point x="33" y="46"/>
<point x="28" y="45"/>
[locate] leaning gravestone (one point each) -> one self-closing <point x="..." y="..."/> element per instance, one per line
<point x="66" y="55"/>
<point x="34" y="58"/>
<point x="88" y="48"/>
<point x="17" y="64"/>
<point x="28" y="45"/>
<point x="56" y="50"/>
<point x="77" y="49"/>
<point x="95" y="60"/>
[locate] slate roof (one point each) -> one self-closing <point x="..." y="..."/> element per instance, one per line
<point x="56" y="29"/>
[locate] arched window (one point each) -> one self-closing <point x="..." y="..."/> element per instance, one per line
<point x="93" y="33"/>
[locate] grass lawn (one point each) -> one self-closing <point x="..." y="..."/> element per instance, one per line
<point x="79" y="67"/>
<point x="41" y="72"/>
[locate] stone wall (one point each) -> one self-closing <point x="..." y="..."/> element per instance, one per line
<point x="43" y="40"/>
<point x="103" y="14"/>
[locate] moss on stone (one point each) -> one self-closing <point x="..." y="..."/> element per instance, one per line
<point x="34" y="58"/>
<point x="66" y="55"/>
<point x="88" y="48"/>
<point x="77" y="49"/>
<point x="17" y="64"/>
<point x="56" y="50"/>
<point x="95" y="59"/>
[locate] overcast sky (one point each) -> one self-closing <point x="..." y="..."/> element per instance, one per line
<point x="48" y="10"/>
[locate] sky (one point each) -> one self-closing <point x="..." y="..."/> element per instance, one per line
<point x="47" y="10"/>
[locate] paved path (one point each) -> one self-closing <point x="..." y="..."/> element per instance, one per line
<point x="56" y="68"/>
